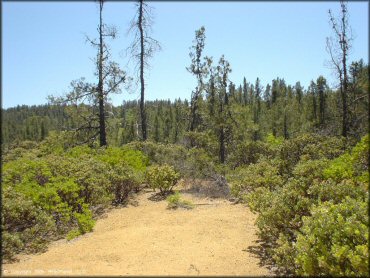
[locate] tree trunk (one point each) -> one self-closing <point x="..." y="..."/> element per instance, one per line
<point x="142" y="103"/>
<point x="102" y="132"/>
<point x="344" y="46"/>
<point x="344" y="96"/>
<point x="193" y="111"/>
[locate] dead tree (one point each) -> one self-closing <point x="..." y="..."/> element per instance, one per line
<point x="87" y="100"/>
<point x="338" y="48"/>
<point x="142" y="49"/>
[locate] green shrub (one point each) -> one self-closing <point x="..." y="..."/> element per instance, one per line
<point x="245" y="153"/>
<point x="193" y="163"/>
<point x="51" y="192"/>
<point x="198" y="164"/>
<point x="175" y="201"/>
<point x="292" y="219"/>
<point x="309" y="170"/>
<point x="274" y="142"/>
<point x="25" y="227"/>
<point x="330" y="190"/>
<point x="157" y="153"/>
<point x="162" y="177"/>
<point x="334" y="240"/>
<point x="84" y="219"/>
<point x="73" y="234"/>
<point x="311" y="147"/>
<point x="281" y="211"/>
<point x="352" y="164"/>
<point x="245" y="179"/>
<point x="11" y="245"/>
<point x="205" y="140"/>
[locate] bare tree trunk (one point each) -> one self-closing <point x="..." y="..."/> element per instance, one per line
<point x="102" y="132"/>
<point x="344" y="41"/>
<point x="142" y="103"/>
<point x="344" y="94"/>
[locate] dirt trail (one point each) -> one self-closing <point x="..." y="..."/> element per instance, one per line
<point x="148" y="239"/>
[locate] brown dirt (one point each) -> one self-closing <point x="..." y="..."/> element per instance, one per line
<point x="148" y="239"/>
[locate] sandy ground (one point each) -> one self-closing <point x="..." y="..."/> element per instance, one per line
<point x="148" y="239"/>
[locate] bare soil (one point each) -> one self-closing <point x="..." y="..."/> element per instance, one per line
<point x="146" y="238"/>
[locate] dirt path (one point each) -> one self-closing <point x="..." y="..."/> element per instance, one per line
<point x="149" y="239"/>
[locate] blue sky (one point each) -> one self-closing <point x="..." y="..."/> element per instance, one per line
<point x="44" y="47"/>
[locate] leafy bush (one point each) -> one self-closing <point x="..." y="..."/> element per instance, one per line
<point x="193" y="163"/>
<point x="280" y="211"/>
<point x="352" y="164"/>
<point x="175" y="201"/>
<point x="158" y="153"/>
<point x="206" y="141"/>
<point x="245" y="179"/>
<point x="49" y="193"/>
<point x="334" y="240"/>
<point x="311" y="147"/>
<point x="198" y="164"/>
<point x="25" y="227"/>
<point x="299" y="220"/>
<point x="249" y="152"/>
<point x="329" y="190"/>
<point x="162" y="177"/>
<point x="273" y="141"/>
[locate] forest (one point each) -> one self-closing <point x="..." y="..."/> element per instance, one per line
<point x="296" y="157"/>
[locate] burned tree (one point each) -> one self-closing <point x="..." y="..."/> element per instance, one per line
<point x="142" y="49"/>
<point x="87" y="101"/>
<point x="338" y="48"/>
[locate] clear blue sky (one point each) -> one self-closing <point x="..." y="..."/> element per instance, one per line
<point x="44" y="48"/>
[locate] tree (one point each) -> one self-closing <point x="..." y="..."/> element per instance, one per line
<point x="142" y="49"/>
<point x="338" y="48"/>
<point x="223" y="70"/>
<point x="89" y="100"/>
<point x="358" y="99"/>
<point x="198" y="69"/>
<point x="298" y="92"/>
<point x="313" y="93"/>
<point x="275" y="93"/>
<point x="322" y="88"/>
<point x="245" y="91"/>
<point x="267" y="96"/>
<point x="257" y="108"/>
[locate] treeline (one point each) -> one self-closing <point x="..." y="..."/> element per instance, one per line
<point x="252" y="112"/>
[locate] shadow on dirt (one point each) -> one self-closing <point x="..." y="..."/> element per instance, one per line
<point x="259" y="251"/>
<point x="157" y="197"/>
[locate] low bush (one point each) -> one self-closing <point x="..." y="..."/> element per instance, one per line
<point x="175" y="201"/>
<point x="193" y="163"/>
<point x="245" y="179"/>
<point x="334" y="240"/>
<point x="311" y="147"/>
<point x="50" y="193"/>
<point x="162" y="177"/>
<point x="25" y="226"/>
<point x="309" y="223"/>
<point x="250" y="152"/>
